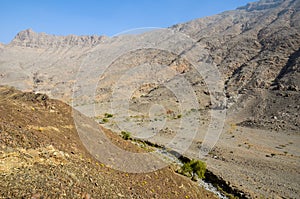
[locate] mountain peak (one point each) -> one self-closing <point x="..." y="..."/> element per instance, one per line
<point x="261" y="5"/>
<point x="29" y="38"/>
<point x="25" y="35"/>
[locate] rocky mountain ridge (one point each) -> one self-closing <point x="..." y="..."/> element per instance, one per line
<point x="29" y="38"/>
<point x="262" y="5"/>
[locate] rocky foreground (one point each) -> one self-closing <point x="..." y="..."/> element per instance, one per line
<point x="41" y="156"/>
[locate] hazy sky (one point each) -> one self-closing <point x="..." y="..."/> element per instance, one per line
<point x="102" y="17"/>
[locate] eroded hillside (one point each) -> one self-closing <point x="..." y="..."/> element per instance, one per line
<point x="41" y="156"/>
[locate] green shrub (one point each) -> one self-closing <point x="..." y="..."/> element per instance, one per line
<point x="108" y="115"/>
<point x="125" y="135"/>
<point x="194" y="168"/>
<point x="104" y="120"/>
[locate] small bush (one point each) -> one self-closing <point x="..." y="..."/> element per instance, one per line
<point x="125" y="135"/>
<point x="104" y="120"/>
<point x="108" y="115"/>
<point x="194" y="168"/>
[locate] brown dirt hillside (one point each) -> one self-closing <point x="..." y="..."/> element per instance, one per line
<point x="41" y="156"/>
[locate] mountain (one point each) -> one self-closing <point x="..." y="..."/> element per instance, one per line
<point x="28" y="38"/>
<point x="254" y="47"/>
<point x="241" y="66"/>
<point x="252" y="44"/>
<point x="257" y="49"/>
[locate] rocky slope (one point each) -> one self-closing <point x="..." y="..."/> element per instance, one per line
<point x="251" y="44"/>
<point x="257" y="49"/>
<point x="41" y="156"/>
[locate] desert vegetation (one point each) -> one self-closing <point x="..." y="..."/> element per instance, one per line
<point x="194" y="169"/>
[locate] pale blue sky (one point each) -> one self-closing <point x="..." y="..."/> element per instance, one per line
<point x="102" y="17"/>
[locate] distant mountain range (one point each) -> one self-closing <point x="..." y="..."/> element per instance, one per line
<point x="254" y="47"/>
